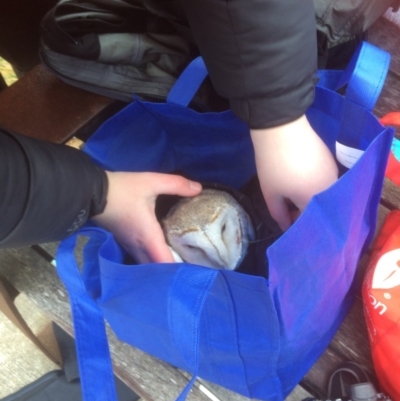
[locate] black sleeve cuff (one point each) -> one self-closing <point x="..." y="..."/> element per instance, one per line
<point x="261" y="55"/>
<point x="47" y="191"/>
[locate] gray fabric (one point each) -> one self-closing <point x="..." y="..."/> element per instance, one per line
<point x="260" y="54"/>
<point x="340" y="20"/>
<point x="158" y="54"/>
<point x="240" y="40"/>
<point x="125" y="79"/>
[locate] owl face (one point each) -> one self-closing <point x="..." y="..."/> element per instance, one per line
<point x="211" y="230"/>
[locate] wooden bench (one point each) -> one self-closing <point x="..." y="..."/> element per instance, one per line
<point x="42" y="106"/>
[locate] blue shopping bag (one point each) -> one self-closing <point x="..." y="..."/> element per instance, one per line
<point x="256" y="335"/>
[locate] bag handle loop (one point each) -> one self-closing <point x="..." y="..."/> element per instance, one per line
<point x="97" y="379"/>
<point x="364" y="76"/>
<point x="184" y="312"/>
<point x="188" y="83"/>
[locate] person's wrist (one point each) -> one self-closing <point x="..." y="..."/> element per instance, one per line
<point x="290" y="127"/>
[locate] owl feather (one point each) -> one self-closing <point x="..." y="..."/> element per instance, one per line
<point x="211" y="229"/>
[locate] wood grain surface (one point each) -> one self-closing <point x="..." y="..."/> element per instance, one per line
<point x="154" y="380"/>
<point x="42" y="106"/>
<point x="149" y="377"/>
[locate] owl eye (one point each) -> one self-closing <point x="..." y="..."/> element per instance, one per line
<point x="191" y="247"/>
<point x="223" y="228"/>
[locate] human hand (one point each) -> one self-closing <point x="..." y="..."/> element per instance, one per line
<point x="293" y="164"/>
<point x="130" y="216"/>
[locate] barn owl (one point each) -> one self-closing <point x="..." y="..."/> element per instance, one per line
<point x="210" y="229"/>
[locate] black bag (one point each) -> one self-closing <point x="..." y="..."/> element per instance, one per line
<point x="125" y="47"/>
<point x="114" y="48"/>
<point x="342" y="25"/>
<point x="65" y="384"/>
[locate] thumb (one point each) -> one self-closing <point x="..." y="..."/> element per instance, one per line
<point x="170" y="184"/>
<point x="280" y="212"/>
<point x="156" y="251"/>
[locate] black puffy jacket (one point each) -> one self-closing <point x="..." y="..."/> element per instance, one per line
<point x="260" y="54"/>
<point x="47" y="191"/>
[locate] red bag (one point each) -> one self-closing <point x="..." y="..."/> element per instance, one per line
<point x="381" y="295"/>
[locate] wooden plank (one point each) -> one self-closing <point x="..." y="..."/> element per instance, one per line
<point x="149" y="377"/>
<point x="316" y="380"/>
<point x="351" y="340"/>
<point x="218" y="391"/>
<point x="299" y="393"/>
<point x="383" y="211"/>
<point x="391" y="194"/>
<point x="349" y="344"/>
<point x="221" y="393"/>
<point x="42" y="106"/>
<point x="389" y="99"/>
<point x="385" y="34"/>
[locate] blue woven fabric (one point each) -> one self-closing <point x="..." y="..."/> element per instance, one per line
<point x="257" y="336"/>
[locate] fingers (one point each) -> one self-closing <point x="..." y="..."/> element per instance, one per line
<point x="130" y="216"/>
<point x="144" y="239"/>
<point x="292" y="163"/>
<point x="170" y="184"/>
<point x="154" y="251"/>
<point x="280" y="212"/>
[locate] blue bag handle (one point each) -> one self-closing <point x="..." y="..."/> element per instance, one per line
<point x="188" y="83"/>
<point x="364" y="76"/>
<point x="94" y="360"/>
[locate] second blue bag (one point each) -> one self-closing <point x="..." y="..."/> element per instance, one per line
<point x="256" y="335"/>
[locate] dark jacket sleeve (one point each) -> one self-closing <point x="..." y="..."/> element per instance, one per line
<point x="261" y="55"/>
<point x="47" y="191"/>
